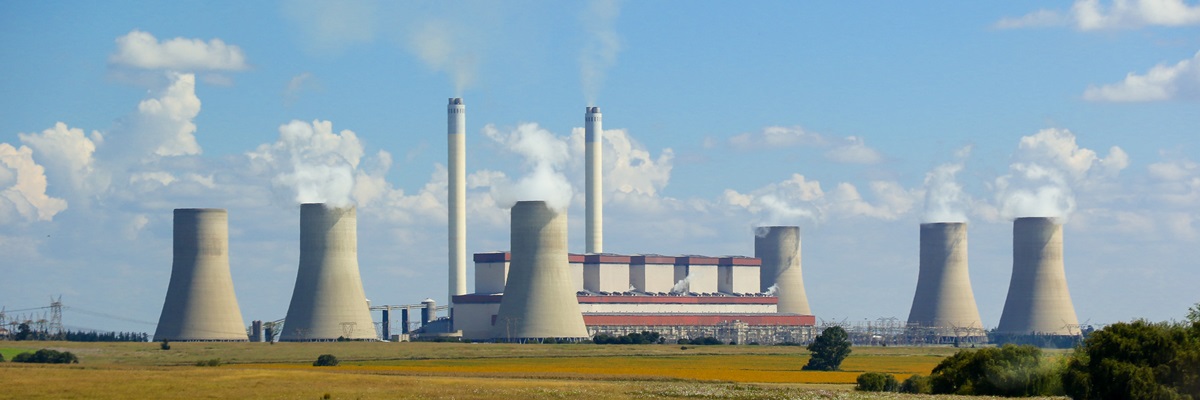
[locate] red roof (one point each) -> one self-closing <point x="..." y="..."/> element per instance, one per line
<point x="695" y="260"/>
<point x="740" y="261"/>
<point x="495" y="298"/>
<point x="606" y="258"/>
<point x="697" y="319"/>
<point x="652" y="260"/>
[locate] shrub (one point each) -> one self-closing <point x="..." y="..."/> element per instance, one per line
<point x="1" y="357"/>
<point x="916" y="384"/>
<point x="1010" y="371"/>
<point x="645" y="337"/>
<point x="165" y="345"/>
<point x="877" y="382"/>
<point x="828" y="350"/>
<point x="209" y="363"/>
<point x="326" y="360"/>
<point x="1136" y="360"/>
<point x="47" y="356"/>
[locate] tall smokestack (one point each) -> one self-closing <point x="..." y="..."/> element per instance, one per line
<point x="779" y="249"/>
<point x="944" y="298"/>
<point x="456" y="127"/>
<point x="1038" y="299"/>
<point x="539" y="299"/>
<point x="201" y="304"/>
<point x="328" y="301"/>
<point x="594" y="131"/>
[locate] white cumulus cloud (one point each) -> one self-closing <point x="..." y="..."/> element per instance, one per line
<point x="23" y="187"/>
<point x="312" y="162"/>
<point x="1088" y="15"/>
<point x="1048" y="168"/>
<point x="1162" y="82"/>
<point x="140" y="49"/>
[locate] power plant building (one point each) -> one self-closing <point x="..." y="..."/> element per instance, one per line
<point x="1038" y="302"/>
<point x="200" y="303"/>
<point x="944" y="303"/>
<point x="328" y="301"/>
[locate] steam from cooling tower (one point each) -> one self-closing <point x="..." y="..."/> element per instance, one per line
<point x="600" y="52"/>
<point x="1047" y="169"/>
<point x="311" y="163"/>
<point x="945" y="200"/>
<point x="545" y="156"/>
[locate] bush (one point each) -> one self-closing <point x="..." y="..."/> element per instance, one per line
<point x="165" y="345"/>
<point x="47" y="356"/>
<point x="828" y="350"/>
<point x="209" y="363"/>
<point x="877" y="382"/>
<point x="1" y="357"/>
<point x="1010" y="371"/>
<point x="916" y="384"/>
<point x="1136" y="360"/>
<point x="326" y="360"/>
<point x="645" y="337"/>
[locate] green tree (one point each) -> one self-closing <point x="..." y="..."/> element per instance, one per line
<point x="916" y="384"/>
<point x="1137" y="360"/>
<point x="326" y="360"/>
<point x="828" y="350"/>
<point x="877" y="382"/>
<point x="1193" y="314"/>
<point x="1010" y="371"/>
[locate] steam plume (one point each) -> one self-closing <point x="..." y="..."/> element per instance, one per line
<point x="945" y="200"/>
<point x="600" y="52"/>
<point x="545" y="155"/>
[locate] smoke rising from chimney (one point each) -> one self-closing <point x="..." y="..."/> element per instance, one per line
<point x="600" y="51"/>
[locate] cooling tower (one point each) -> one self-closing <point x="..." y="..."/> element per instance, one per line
<point x="328" y="301"/>
<point x="944" y="298"/>
<point x="200" y="304"/>
<point x="779" y="249"/>
<point x="1038" y="300"/>
<point x="593" y="133"/>
<point x="539" y="299"/>
<point x="456" y="127"/>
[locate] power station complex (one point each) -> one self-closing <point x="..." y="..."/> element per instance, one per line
<point x="537" y="291"/>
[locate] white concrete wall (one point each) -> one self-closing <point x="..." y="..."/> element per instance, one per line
<point x="576" y="276"/>
<point x="475" y="319"/>
<point x="738" y="279"/>
<point x="654" y="278"/>
<point x="702" y="278"/>
<point x="490" y="277"/>
<point x="606" y="277"/>
<point x="669" y="308"/>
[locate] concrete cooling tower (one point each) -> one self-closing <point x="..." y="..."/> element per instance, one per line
<point x="328" y="301"/>
<point x="1038" y="300"/>
<point x="779" y="249"/>
<point x="456" y="127"/>
<point x="200" y="304"/>
<point x="593" y="133"/>
<point x="944" y="299"/>
<point x="539" y="299"/>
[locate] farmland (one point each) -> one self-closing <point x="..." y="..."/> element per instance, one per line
<point x="447" y="370"/>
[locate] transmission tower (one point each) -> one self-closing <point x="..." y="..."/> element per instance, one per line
<point x="56" y="327"/>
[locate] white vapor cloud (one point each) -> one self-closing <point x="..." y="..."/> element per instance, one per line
<point x="329" y="26"/>
<point x="600" y="52"/>
<point x="1047" y="170"/>
<point x="312" y="162"/>
<point x="442" y="45"/>
<point x="164" y="125"/>
<point x="945" y="200"/>
<point x="1162" y="82"/>
<point x="800" y="199"/>
<point x="140" y="49"/>
<point x="23" y="187"/>
<point x="545" y="157"/>
<point x="846" y="150"/>
<point x="1088" y="15"/>
<point x="297" y="85"/>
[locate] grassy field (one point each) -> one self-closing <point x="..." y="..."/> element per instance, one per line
<point x="447" y="370"/>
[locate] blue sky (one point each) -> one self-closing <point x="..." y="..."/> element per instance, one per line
<point x="844" y="119"/>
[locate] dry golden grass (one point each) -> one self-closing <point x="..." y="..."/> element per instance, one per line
<point x="448" y="370"/>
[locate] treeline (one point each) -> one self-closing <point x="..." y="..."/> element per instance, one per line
<point x="1136" y="360"/>
<point x="645" y="337"/>
<point x="24" y="332"/>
